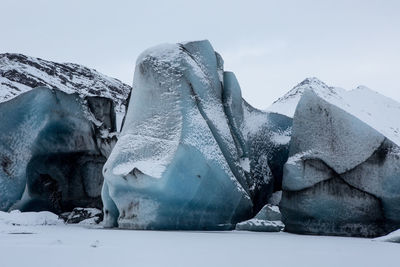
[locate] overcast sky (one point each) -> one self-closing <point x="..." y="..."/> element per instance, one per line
<point x="270" y="45"/>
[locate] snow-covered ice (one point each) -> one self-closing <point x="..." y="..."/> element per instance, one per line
<point x="342" y="176"/>
<point x="192" y="154"/>
<point x="376" y="110"/>
<point x="52" y="149"/>
<point x="268" y="219"/>
<point x="90" y="245"/>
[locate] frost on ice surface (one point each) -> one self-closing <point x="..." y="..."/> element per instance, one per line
<point x="267" y="136"/>
<point x="258" y="225"/>
<point x="342" y="176"/>
<point x="169" y="134"/>
<point x="54" y="156"/>
<point x="281" y="138"/>
<point x="191" y="154"/>
<point x="268" y="219"/>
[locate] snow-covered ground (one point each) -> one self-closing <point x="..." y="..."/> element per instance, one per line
<point x="57" y="244"/>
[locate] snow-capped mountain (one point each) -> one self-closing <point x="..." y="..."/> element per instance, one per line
<point x="375" y="109"/>
<point x="286" y="104"/>
<point x="20" y="73"/>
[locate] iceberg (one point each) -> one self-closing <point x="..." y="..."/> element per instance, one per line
<point x="52" y="149"/>
<point x="192" y="154"/>
<point x="343" y="173"/>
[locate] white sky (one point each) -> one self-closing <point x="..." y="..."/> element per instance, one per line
<point x="270" y="45"/>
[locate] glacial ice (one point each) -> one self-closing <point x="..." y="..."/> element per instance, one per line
<point x="262" y="140"/>
<point x="192" y="154"/>
<point x="268" y="219"/>
<point x="343" y="175"/>
<point x="52" y="149"/>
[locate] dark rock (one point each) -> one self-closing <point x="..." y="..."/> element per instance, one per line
<point x="79" y="215"/>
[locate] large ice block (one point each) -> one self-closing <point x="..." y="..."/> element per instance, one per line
<point x="52" y="149"/>
<point x="342" y="176"/>
<point x="186" y="156"/>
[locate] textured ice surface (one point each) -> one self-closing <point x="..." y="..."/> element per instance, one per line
<point x="257" y="225"/>
<point x="186" y="156"/>
<point x="342" y="176"/>
<point x="275" y="198"/>
<point x="267" y="138"/>
<point x="268" y="219"/>
<point x="52" y="149"/>
<point x="262" y="140"/>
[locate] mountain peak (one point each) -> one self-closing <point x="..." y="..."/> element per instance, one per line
<point x="286" y="104"/>
<point x="313" y="82"/>
<point x="20" y="73"/>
